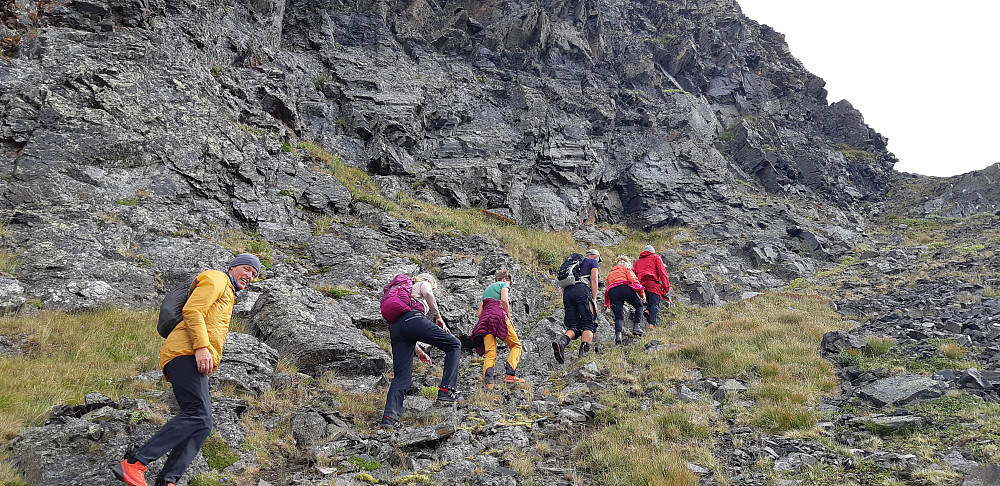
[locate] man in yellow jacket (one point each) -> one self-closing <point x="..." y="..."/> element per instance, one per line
<point x="191" y="353"/>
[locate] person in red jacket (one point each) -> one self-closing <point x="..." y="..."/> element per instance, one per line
<point x="653" y="276"/>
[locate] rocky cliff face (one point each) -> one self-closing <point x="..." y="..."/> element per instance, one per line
<point x="137" y="134"/>
<point x="561" y="113"/>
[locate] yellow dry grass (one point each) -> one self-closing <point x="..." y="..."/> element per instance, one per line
<point x="770" y="341"/>
<point x="69" y="355"/>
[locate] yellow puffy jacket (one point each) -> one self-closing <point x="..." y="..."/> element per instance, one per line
<point x="206" y="319"/>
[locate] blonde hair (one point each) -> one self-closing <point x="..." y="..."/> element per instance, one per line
<point x="426" y="277"/>
<point x="623" y="260"/>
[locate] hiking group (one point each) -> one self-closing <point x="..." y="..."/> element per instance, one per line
<point x="643" y="286"/>
<point x="194" y="320"/>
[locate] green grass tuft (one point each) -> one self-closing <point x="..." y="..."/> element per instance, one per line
<point x="217" y="453"/>
<point x="363" y="464"/>
<point x="335" y="291"/>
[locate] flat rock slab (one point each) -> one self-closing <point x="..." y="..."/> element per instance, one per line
<point x="895" y="422"/>
<point x="900" y="390"/>
<point x="419" y="435"/>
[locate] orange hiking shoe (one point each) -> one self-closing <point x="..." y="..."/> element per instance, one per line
<point x="512" y="379"/>
<point x="130" y="473"/>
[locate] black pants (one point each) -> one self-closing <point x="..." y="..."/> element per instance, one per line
<point x="619" y="295"/>
<point x="653" y="302"/>
<point x="404" y="334"/>
<point x="184" y="434"/>
<point x="579" y="316"/>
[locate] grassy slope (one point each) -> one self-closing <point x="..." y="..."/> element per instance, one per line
<point x="648" y="436"/>
<point x="643" y="436"/>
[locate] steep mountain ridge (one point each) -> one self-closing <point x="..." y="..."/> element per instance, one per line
<point x="129" y="126"/>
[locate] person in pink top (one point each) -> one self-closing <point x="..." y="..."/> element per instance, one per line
<point x="623" y="286"/>
<point x="653" y="276"/>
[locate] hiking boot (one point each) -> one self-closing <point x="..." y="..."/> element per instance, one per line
<point x="446" y="395"/>
<point x="637" y="331"/>
<point x="584" y="349"/>
<point x="559" y="346"/>
<point x="618" y="337"/>
<point x="130" y="472"/>
<point x="651" y="327"/>
<point x="488" y="377"/>
<point x="390" y="423"/>
<point x="512" y="379"/>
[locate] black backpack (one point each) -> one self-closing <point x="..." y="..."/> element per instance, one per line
<point x="172" y="308"/>
<point x="569" y="271"/>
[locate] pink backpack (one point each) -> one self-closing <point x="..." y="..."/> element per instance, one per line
<point x="397" y="299"/>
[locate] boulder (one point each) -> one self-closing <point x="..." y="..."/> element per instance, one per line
<point x="901" y="390"/>
<point x="12" y="295"/>
<point x="313" y="331"/>
<point x="247" y="363"/>
<point x="985" y="475"/>
<point x="420" y="435"/>
<point x="836" y="341"/>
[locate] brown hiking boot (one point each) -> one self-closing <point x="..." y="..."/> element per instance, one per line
<point x="131" y="473"/>
<point x="512" y="379"/>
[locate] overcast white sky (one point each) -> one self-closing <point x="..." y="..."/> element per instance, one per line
<point x="925" y="75"/>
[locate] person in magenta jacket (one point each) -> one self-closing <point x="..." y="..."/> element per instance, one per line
<point x="495" y="323"/>
<point x="653" y="276"/>
<point x="623" y="286"/>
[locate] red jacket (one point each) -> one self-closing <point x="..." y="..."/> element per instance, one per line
<point x="652" y="274"/>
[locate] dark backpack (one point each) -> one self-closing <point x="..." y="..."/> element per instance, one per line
<point x="397" y="299"/>
<point x="172" y="308"/>
<point x="569" y="271"/>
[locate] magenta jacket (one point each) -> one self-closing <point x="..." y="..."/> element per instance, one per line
<point x="492" y="321"/>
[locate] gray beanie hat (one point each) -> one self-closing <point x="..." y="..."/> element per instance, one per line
<point x="246" y="259"/>
<point x="649" y="248"/>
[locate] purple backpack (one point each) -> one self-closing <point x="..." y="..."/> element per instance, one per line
<point x="397" y="299"/>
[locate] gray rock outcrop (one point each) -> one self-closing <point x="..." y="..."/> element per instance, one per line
<point x="313" y="331"/>
<point x="247" y="364"/>
<point x="901" y="390"/>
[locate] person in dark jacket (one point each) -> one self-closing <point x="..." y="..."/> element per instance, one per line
<point x="191" y="352"/>
<point x="654" y="279"/>
<point x="580" y="302"/>
<point x="495" y="323"/>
